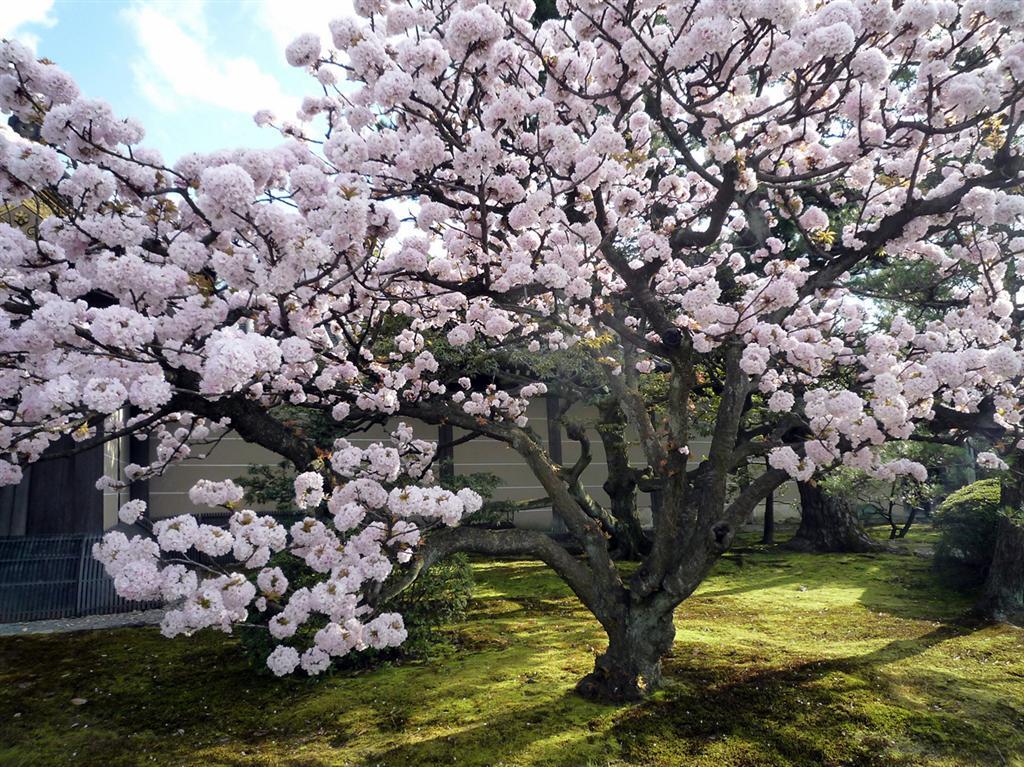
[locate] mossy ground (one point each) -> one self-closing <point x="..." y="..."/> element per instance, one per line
<point x="780" y="659"/>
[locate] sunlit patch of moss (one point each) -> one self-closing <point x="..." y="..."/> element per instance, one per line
<point x="780" y="659"/>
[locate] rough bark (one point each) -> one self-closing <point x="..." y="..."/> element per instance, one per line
<point x="628" y="539"/>
<point x="254" y="424"/>
<point x="621" y="486"/>
<point x="630" y="669"/>
<point x="640" y="635"/>
<point x="827" y="524"/>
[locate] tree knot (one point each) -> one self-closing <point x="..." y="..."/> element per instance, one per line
<point x="723" y="534"/>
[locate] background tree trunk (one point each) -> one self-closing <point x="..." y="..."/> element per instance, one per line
<point x="554" y="413"/>
<point x="911" y="516"/>
<point x="768" y="535"/>
<point x="1002" y="597"/>
<point x="828" y="524"/>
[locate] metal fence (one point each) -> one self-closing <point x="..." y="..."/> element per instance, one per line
<point x="55" y="576"/>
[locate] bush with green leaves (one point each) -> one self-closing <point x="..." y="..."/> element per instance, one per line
<point x="439" y="596"/>
<point x="966" y="522"/>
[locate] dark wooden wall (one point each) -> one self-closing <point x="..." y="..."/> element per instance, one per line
<point x="56" y="495"/>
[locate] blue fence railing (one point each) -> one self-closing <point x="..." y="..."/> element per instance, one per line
<point x="55" y="576"/>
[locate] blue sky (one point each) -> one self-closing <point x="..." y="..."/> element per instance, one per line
<point x="192" y="71"/>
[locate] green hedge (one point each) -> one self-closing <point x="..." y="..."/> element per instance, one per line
<point x="966" y="522"/>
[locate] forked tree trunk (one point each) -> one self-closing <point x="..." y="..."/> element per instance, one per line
<point x="630" y="669"/>
<point x="1003" y="595"/>
<point x="828" y="525"/>
<point x="695" y="522"/>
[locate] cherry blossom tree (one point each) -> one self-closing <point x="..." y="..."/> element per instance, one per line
<point x="700" y="182"/>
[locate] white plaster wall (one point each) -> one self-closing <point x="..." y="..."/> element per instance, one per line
<point x="232" y="456"/>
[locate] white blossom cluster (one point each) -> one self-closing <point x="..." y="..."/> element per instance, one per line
<point x="216" y="577"/>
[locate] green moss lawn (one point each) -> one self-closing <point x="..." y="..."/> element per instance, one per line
<point x="780" y="659"/>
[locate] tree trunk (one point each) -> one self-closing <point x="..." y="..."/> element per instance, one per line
<point x="630" y="669"/>
<point x="1003" y="595"/>
<point x="554" y="412"/>
<point x="910" y="521"/>
<point x="768" y="536"/>
<point x="828" y="525"/>
<point x="628" y="536"/>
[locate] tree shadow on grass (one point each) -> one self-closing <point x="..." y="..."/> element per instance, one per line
<point x="847" y="711"/>
<point x="546" y="731"/>
<point x="473" y="710"/>
<point x="563" y="727"/>
<point x="142" y="696"/>
<point x="510" y="692"/>
<point x="198" y="702"/>
<point x="839" y="711"/>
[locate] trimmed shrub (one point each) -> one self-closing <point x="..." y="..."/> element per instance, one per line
<point x="439" y="595"/>
<point x="966" y="522"/>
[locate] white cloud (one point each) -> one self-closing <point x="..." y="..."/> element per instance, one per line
<point x="287" y="19"/>
<point x="181" y="64"/>
<point x="26" y="13"/>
